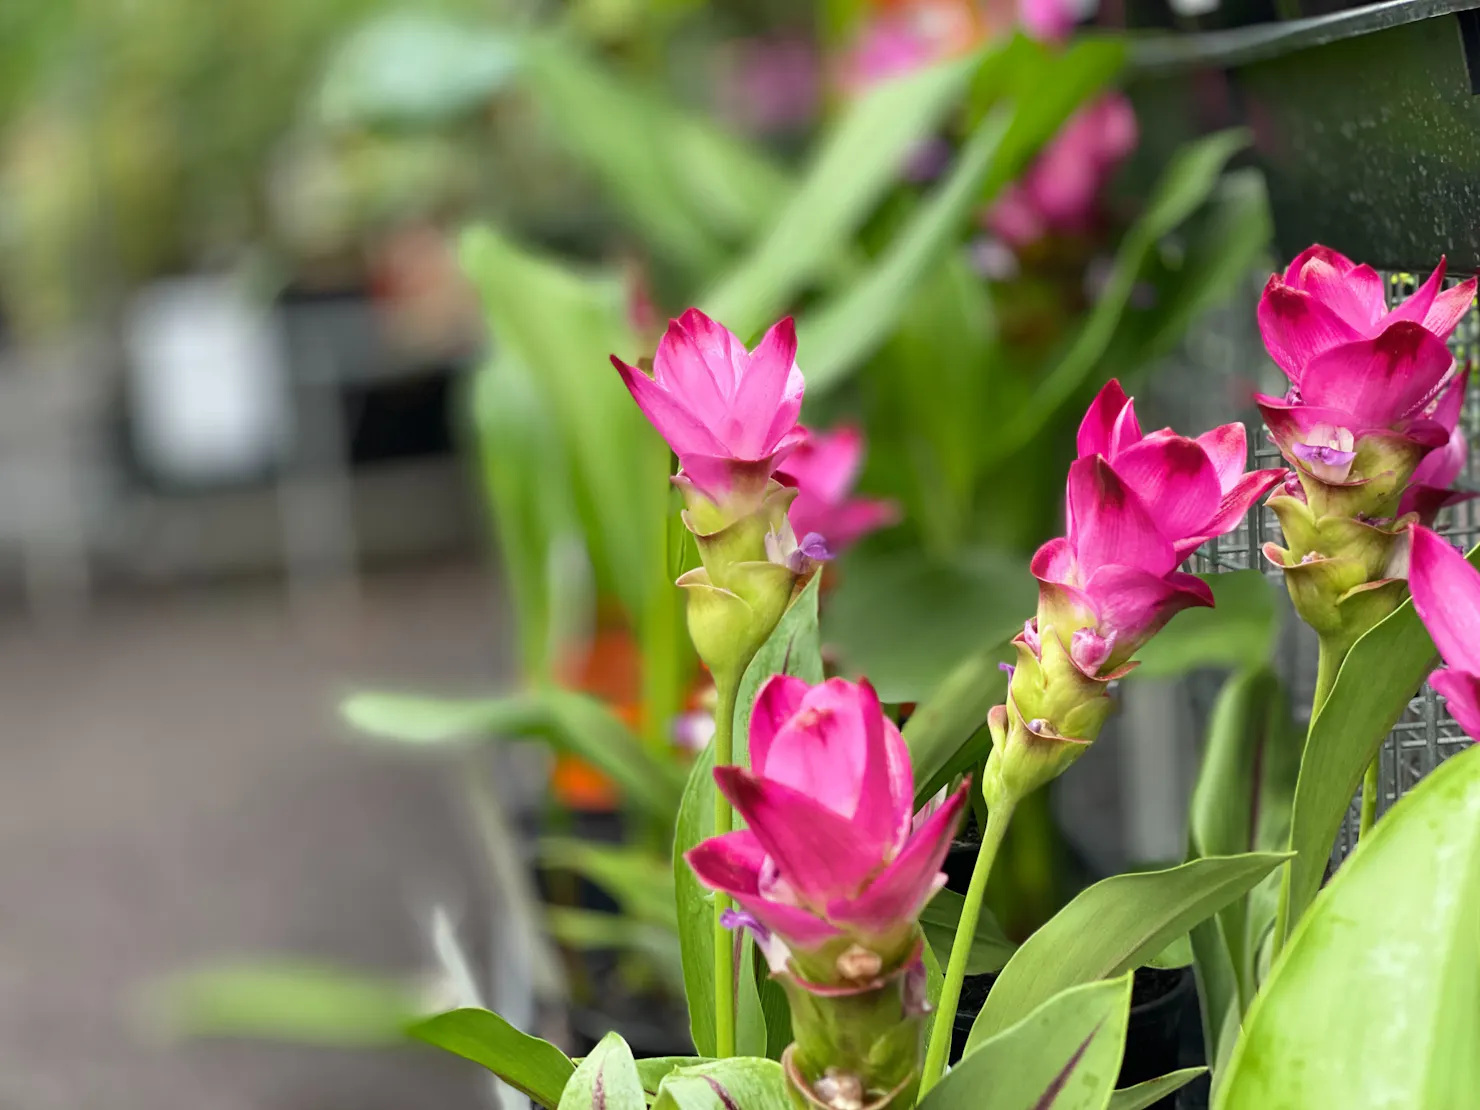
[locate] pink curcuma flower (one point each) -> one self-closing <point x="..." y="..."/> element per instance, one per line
<point x="729" y="414"/>
<point x="1324" y="300"/>
<point x="1446" y="593"/>
<point x="830" y="854"/>
<point x="823" y="469"/>
<point x="1365" y="382"/>
<point x="1192" y="489"/>
<point x="1138" y="505"/>
<point x="1060" y="192"/>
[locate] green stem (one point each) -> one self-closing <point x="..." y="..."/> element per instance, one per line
<point x="1370" y="788"/>
<point x="726" y="690"/>
<point x="1328" y="664"/>
<point x="950" y="993"/>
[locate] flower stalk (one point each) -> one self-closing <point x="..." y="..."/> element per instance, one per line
<point x="724" y="822"/>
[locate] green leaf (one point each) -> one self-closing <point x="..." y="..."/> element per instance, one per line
<point x="593" y="930"/>
<point x="563" y="326"/>
<point x="1186" y="184"/>
<point x="1145" y="1094"/>
<point x="750" y="1017"/>
<point x="654" y="1069"/>
<point x="944" y="724"/>
<point x="740" y="1083"/>
<point x="606" y="1080"/>
<point x="640" y="881"/>
<point x="1112" y="927"/>
<point x="1176" y="954"/>
<point x="1240" y="631"/>
<point x="906" y="620"/>
<point x="417" y="719"/>
<point x="858" y="161"/>
<point x="587" y="728"/>
<point x="1064" y="1054"/>
<point x="414" y="69"/>
<point x="794" y="647"/>
<point x="774" y="1006"/>
<point x="1383" y="670"/>
<point x="692" y="190"/>
<point x="285" y="1000"/>
<point x="990" y="948"/>
<point x="528" y="1064"/>
<point x="694" y="902"/>
<point x="1242" y="804"/>
<point x="1373" y="1002"/>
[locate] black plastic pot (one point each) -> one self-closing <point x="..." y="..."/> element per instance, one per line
<point x="1365" y="123"/>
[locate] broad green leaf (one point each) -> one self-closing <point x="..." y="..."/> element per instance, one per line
<point x="586" y="727"/>
<point x="564" y="326"/>
<point x="774" y="1006"/>
<point x="640" y="881"/>
<point x="418" y="719"/>
<point x="750" y="1016"/>
<point x="1242" y="804"/>
<point x="1064" y="1055"/>
<point x="1239" y="631"/>
<point x="1372" y="1005"/>
<point x="606" y="1080"/>
<point x="414" y="69"/>
<point x="944" y="724"/>
<point x="285" y="1000"/>
<point x="906" y="620"/>
<point x="692" y="190"/>
<point x="528" y="1064"/>
<point x="1145" y="1094"/>
<point x="1383" y="670"/>
<point x="792" y="648"/>
<point x="857" y="162"/>
<point x="844" y="331"/>
<point x="740" y="1083"/>
<point x="990" y="948"/>
<point x="654" y="1069"/>
<point x="1113" y="927"/>
<point x="1176" y="954"/>
<point x="1186" y="184"/>
<point x="694" y="902"/>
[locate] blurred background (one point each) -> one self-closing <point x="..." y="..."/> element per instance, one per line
<point x="304" y="314"/>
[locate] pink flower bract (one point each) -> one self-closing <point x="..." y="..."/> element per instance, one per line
<point x="1446" y="593"/>
<point x="829" y="800"/>
<point x="823" y="469"/>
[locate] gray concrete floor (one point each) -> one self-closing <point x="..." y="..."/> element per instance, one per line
<point x="174" y="788"/>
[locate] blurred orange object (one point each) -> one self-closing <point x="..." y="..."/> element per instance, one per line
<point x="609" y="669"/>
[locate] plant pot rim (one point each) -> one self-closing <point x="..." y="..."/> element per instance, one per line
<point x="1161" y="53"/>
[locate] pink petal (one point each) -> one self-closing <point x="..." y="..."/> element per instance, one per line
<point x="826" y="465"/>
<point x="901" y="890"/>
<point x="1296" y="328"/>
<point x="1054" y="562"/>
<point x="1175" y="480"/>
<point x="1428" y="501"/>
<point x="699" y="374"/>
<point x="816" y="850"/>
<point x="1047" y="20"/>
<point x="1449" y="308"/>
<point x="1096" y="430"/>
<point x="822" y="750"/>
<point x="1336" y="259"/>
<point x="1290" y="422"/>
<point x="1444" y="465"/>
<point x="1446" y="593"/>
<point x="855" y="519"/>
<point x="1416" y="308"/>
<point x="721" y="349"/>
<point x="1232" y="509"/>
<point x="1355" y="295"/>
<point x="1015" y="219"/>
<point x="1227" y="448"/>
<point x="732" y="863"/>
<point x="768" y="401"/>
<point x="1134" y="605"/>
<point x="779" y="700"/>
<point x="684" y="432"/>
<point x="1461" y="693"/>
<point x="1379" y="381"/>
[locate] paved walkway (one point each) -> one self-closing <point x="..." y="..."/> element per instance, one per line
<point x="174" y="787"/>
